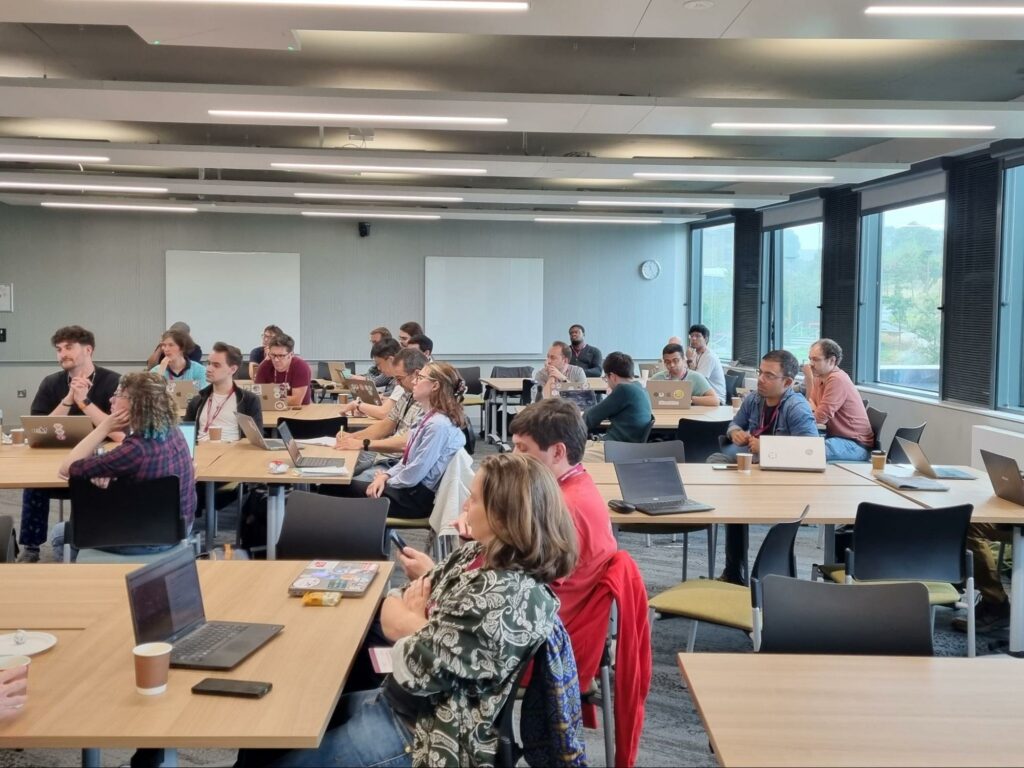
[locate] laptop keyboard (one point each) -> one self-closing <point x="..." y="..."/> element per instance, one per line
<point x="660" y="506"/>
<point x="198" y="645"/>
<point x="313" y="461"/>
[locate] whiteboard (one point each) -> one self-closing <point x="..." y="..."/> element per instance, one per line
<point x="232" y="296"/>
<point x="479" y="306"/>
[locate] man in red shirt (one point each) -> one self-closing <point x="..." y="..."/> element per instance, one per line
<point x="837" y="404"/>
<point x="283" y="366"/>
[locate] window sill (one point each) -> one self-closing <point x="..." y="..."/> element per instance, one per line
<point x="1010" y="416"/>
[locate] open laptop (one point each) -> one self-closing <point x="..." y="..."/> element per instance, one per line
<point x="786" y="453"/>
<point x="654" y="487"/>
<point x="182" y="391"/>
<point x="339" y="374"/>
<point x="167" y="606"/>
<point x="255" y="435"/>
<point x="305" y="461"/>
<point x="670" y="394"/>
<point x="926" y="468"/>
<point x="55" y="431"/>
<point x="1005" y="476"/>
<point x="189" y="432"/>
<point x="583" y="398"/>
<point x="365" y="391"/>
<point x="273" y="397"/>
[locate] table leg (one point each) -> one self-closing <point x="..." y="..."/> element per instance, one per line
<point x="211" y="515"/>
<point x="1017" y="594"/>
<point x="275" y="517"/>
<point x="91" y="758"/>
<point x="829" y="545"/>
<point x="504" y="417"/>
<point x="486" y="417"/>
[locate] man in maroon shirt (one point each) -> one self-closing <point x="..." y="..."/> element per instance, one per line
<point x="283" y="366"/>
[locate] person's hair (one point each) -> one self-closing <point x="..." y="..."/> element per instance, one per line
<point x="152" y="411"/>
<point x="671" y="349"/>
<point x="283" y="340"/>
<point x="385" y="348"/>
<point x="275" y="330"/>
<point x="180" y="326"/>
<point x="787" y="362"/>
<point x="618" y="363"/>
<point x="447" y="398"/>
<point x="411" y="359"/>
<point x="412" y="328"/>
<point x="533" y="531"/>
<point x="553" y="420"/>
<point x="577" y="325"/>
<point x="232" y="354"/>
<point x="384" y="332"/>
<point x="701" y="329"/>
<point x="73" y="334"/>
<point x="829" y="349"/>
<point x="425" y="343"/>
<point x="564" y="348"/>
<point x="182" y="339"/>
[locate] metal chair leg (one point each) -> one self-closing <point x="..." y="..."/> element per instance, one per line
<point x="692" y="640"/>
<point x="607" y="721"/>
<point x="686" y="553"/>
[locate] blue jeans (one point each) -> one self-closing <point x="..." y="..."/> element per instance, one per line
<point x="57" y="542"/>
<point x="845" y="449"/>
<point x="363" y="731"/>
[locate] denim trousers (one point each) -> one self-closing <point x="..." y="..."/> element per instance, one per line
<point x="845" y="449"/>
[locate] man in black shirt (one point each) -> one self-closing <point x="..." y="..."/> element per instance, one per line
<point x="583" y="355"/>
<point x="80" y="388"/>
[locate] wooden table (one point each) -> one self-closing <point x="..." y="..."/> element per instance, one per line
<point x="777" y="710"/>
<point x="507" y="386"/>
<point x="704" y="474"/>
<point x="82" y="692"/>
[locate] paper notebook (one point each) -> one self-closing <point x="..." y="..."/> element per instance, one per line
<point x="345" y="576"/>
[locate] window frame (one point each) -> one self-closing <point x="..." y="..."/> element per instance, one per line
<point x="1009" y="395"/>
<point x="773" y="278"/>
<point x="695" y="293"/>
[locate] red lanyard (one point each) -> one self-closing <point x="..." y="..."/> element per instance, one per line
<point x="571" y="473"/>
<point x="286" y="372"/>
<point x="762" y="428"/>
<point x="408" y="445"/>
<point x="212" y="417"/>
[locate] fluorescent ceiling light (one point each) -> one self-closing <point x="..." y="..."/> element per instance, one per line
<point x="590" y="220"/>
<point x="854" y="126"/>
<point x="383" y="5"/>
<point x="79" y="187"/>
<point x="733" y="176"/>
<point x="379" y="169"/>
<point x="944" y="10"/>
<point x="659" y="203"/>
<point x="368" y="215"/>
<point x="317" y="118"/>
<point x="25" y="157"/>
<point x="122" y="207"/>
<point x="405" y="198"/>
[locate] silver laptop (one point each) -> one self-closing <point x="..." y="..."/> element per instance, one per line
<point x="182" y="392"/>
<point x="926" y="468"/>
<point x="305" y="461"/>
<point x="670" y="394"/>
<point x="654" y="487"/>
<point x="786" y="453"/>
<point x="273" y="397"/>
<point x="167" y="606"/>
<point x="339" y="374"/>
<point x="255" y="435"/>
<point x="365" y="391"/>
<point x="55" y="431"/>
<point x="1004" y="473"/>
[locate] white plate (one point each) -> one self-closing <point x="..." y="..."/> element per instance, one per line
<point x="35" y="642"/>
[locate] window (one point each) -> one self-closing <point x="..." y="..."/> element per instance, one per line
<point x="1010" y="381"/>
<point x="901" y="329"/>
<point x="794" y="287"/>
<point x="712" y="259"/>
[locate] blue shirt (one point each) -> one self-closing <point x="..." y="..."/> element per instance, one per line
<point x="195" y="372"/>
<point x="432" y="444"/>
<point x="795" y="416"/>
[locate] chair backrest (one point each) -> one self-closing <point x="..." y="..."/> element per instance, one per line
<point x="776" y="556"/>
<point x="616" y="450"/>
<point x="125" y="513"/>
<point x="822" y="617"/>
<point x="306" y="429"/>
<point x="7" y="541"/>
<point x="909" y="543"/>
<point x="733" y="380"/>
<point x="700" y="438"/>
<point x="330" y="527"/>
<point x="472" y="378"/>
<point x="896" y="454"/>
<point x="511" y="372"/>
<point x="526" y="393"/>
<point x="509" y="750"/>
<point x="647" y="430"/>
<point x="877" y="420"/>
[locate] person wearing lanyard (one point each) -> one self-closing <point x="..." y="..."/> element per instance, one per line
<point x="775" y="409"/>
<point x="175" y="365"/>
<point x="283" y="366"/>
<point x="412" y="482"/>
<point x="583" y="355"/>
<point x="219" y="404"/>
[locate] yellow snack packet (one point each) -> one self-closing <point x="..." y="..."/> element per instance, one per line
<point x="326" y="599"/>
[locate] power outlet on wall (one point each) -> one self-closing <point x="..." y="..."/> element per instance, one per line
<point x="22" y="393"/>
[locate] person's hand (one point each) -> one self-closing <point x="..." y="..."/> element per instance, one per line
<point x="553" y="371"/>
<point x="462" y="527"/>
<point x="690" y="354"/>
<point x="754" y="445"/>
<point x="348" y="408"/>
<point x="162" y="365"/>
<point x="345" y="442"/>
<point x="79" y="388"/>
<point x="376" y="488"/>
<point x="417" y="596"/>
<point x="808" y="373"/>
<point x="100" y="482"/>
<point x="115" y="422"/>
<point x="414" y="563"/>
<point x="13" y="691"/>
<point x="740" y="437"/>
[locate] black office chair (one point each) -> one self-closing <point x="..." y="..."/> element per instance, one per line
<point x="510" y="751"/>
<point x="896" y="453"/>
<point x="733" y="380"/>
<point x="701" y="438"/>
<point x="8" y="541"/>
<point x="647" y="430"/>
<point x="877" y="420"/>
<point x="819" y="617"/>
<point x="472" y="378"/>
<point x="307" y="429"/>
<point x="334" y="528"/>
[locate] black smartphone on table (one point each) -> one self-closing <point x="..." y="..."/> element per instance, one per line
<point x="219" y="686"/>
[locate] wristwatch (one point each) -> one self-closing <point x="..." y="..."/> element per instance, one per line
<point x="366" y="444"/>
<point x="86" y="402"/>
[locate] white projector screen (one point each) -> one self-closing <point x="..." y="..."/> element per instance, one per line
<point x="478" y="306"/>
<point x="232" y="296"/>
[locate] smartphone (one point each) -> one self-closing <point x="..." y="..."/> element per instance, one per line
<point x="218" y="686"/>
<point x="723" y="466"/>
<point x="397" y="540"/>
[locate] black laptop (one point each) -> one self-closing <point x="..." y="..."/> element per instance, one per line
<point x="167" y="606"/>
<point x="654" y="487"/>
<point x="583" y="398"/>
<point x="1005" y="476"/>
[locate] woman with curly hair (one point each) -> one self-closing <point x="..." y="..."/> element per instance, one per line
<point x="153" y="446"/>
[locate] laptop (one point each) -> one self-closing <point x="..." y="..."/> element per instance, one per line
<point x="907" y="483"/>
<point x="926" y="468"/>
<point x="182" y="392"/>
<point x="189" y="432"/>
<point x="670" y="394"/>
<point x="167" y="606"/>
<point x="366" y="391"/>
<point x="583" y="398"/>
<point x="339" y="374"/>
<point x="654" y="487"/>
<point x="55" y="431"/>
<point x="785" y="453"/>
<point x="255" y="435"/>
<point x="305" y="461"/>
<point x="1005" y="476"/>
<point x="273" y="397"/>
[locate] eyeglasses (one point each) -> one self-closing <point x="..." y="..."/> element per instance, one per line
<point x="816" y="359"/>
<point x="285" y="356"/>
<point x="417" y="377"/>
<point x="762" y="374"/>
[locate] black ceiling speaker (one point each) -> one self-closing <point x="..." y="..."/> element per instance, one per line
<point x="364" y="229"/>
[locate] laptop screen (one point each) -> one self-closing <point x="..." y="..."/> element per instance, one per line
<point x="650" y="480"/>
<point x="165" y="599"/>
<point x="289" y="442"/>
<point x="583" y="398"/>
<point x="188" y="431"/>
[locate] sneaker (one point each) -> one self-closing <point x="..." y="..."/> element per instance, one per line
<point x="988" y="617"/>
<point x="28" y="555"/>
<point x="730" y="578"/>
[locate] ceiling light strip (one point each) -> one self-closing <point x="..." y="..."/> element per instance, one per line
<point x="659" y="203"/>
<point x="52" y="186"/>
<point x="318" y="118"/>
<point x="31" y="157"/>
<point x="682" y="176"/>
<point x="369" y="215"/>
<point x="944" y="10"/>
<point x="590" y="220"/>
<point x="379" y="169"/>
<point x="854" y="127"/>
<point x="122" y="207"/>
<point x="383" y="5"/>
<point x="401" y="198"/>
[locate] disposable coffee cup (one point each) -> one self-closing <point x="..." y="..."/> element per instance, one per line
<point x="877" y="460"/>
<point x="344" y="397"/>
<point x="215" y="433"/>
<point x="645" y="374"/>
<point x="744" y="461"/>
<point x="152" y="663"/>
<point x="14" y="681"/>
<point x="736" y="403"/>
<point x="17" y="436"/>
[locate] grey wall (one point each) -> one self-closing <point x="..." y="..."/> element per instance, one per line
<point x="106" y="271"/>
